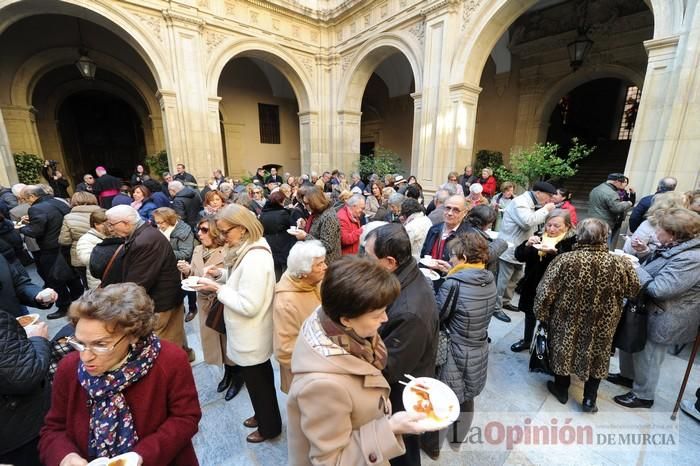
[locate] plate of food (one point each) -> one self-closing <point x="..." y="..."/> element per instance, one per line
<point x="621" y="253"/>
<point x="28" y="319"/>
<point x="432" y="398"/>
<point x="431" y="274"/>
<point x="190" y="283"/>
<point x="127" y="459"/>
<point x="292" y="230"/>
<point x="428" y="261"/>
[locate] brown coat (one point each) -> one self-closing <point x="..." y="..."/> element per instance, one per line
<point x="75" y="224"/>
<point x="294" y="301"/>
<point x="213" y="342"/>
<point x="580" y="297"/>
<point x="338" y="406"/>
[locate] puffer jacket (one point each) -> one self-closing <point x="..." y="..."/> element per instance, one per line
<point x="187" y="205"/>
<point x="10" y="242"/>
<point x="75" y="224"/>
<point x="84" y="248"/>
<point x="182" y="241"/>
<point x="24" y="388"/>
<point x="672" y="278"/>
<point x="17" y="289"/>
<point x="467" y="360"/>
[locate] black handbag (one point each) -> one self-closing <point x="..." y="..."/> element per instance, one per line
<point x="449" y="306"/>
<point x="215" y="318"/>
<point x="631" y="332"/>
<point x="539" y="351"/>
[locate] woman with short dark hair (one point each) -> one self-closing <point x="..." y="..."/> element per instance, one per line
<point x="123" y="389"/>
<point x="276" y="220"/>
<point x="580" y="300"/>
<point x="322" y="224"/>
<point x="338" y="406"/>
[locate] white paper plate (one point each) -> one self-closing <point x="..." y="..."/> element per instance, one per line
<point x="30" y="318"/>
<point x="190" y="284"/>
<point x="444" y="402"/>
<point x="621" y="253"/>
<point x="428" y="262"/>
<point x="127" y="459"/>
<point x="293" y="231"/>
<point x="431" y="274"/>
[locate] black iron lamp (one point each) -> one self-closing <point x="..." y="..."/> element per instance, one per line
<point x="578" y="49"/>
<point x="85" y="64"/>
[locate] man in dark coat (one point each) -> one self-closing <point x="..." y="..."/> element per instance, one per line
<point x="55" y="179"/>
<point x="44" y="224"/>
<point x="640" y="210"/>
<point x="148" y="260"/>
<point x="186" y="203"/>
<point x="410" y="333"/>
<point x="106" y="187"/>
<point x="87" y="185"/>
<point x="25" y="392"/>
<point x="182" y="176"/>
<point x="17" y="291"/>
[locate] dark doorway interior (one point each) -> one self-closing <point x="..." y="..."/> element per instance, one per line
<point x="593" y="113"/>
<point x="97" y="128"/>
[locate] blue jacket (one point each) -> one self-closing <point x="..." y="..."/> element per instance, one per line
<point x="640" y="210"/>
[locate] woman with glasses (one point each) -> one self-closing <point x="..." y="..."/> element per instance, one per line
<point x="322" y="224"/>
<point x="123" y="389"/>
<point x="245" y="286"/>
<point x="452" y="184"/>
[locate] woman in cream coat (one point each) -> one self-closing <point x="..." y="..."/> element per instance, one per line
<point x="246" y="286"/>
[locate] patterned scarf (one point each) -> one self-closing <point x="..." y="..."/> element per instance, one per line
<point x="112" y="430"/>
<point x="371" y="350"/>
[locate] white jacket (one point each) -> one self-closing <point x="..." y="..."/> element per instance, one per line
<point x="520" y="221"/>
<point x="417" y="226"/>
<point x="83" y="250"/>
<point x="247" y="298"/>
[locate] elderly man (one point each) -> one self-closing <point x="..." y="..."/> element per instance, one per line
<point x="640" y="210"/>
<point x="149" y="260"/>
<point x="185" y="178"/>
<point x="186" y="203"/>
<point x="455" y="208"/>
<point x="604" y="201"/>
<point x="357" y="182"/>
<point x="349" y="217"/>
<point x="520" y="220"/>
<point x="437" y="213"/>
<point x="44" y="221"/>
<point x="274" y="177"/>
<point x="410" y="333"/>
<point x="87" y="185"/>
<point x="106" y="187"/>
<point x="467" y="178"/>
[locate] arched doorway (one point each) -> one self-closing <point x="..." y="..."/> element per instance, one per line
<point x="97" y="128"/>
<point x="387" y="111"/>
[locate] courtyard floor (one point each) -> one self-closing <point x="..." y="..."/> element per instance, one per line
<point x="511" y="396"/>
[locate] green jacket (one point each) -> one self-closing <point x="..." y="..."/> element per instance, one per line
<point x="604" y="203"/>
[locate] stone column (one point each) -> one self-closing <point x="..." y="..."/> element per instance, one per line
<point x="349" y="133"/>
<point x="8" y="176"/>
<point x="215" y="155"/>
<point x="309" y="144"/>
<point x="172" y="130"/>
<point x="464" y="99"/>
<point x="530" y="127"/>
<point x="417" y="109"/>
<point x="20" y="125"/>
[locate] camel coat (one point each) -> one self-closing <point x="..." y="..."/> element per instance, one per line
<point x="213" y="342"/>
<point x="294" y="301"/>
<point x="338" y="406"/>
<point x="75" y="224"/>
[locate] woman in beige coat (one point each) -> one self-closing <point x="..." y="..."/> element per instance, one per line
<point x="338" y="408"/>
<point x="211" y="254"/>
<point x="75" y="224"/>
<point x="297" y="295"/>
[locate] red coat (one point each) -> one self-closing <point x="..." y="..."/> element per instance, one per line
<point x="350" y="231"/>
<point x="164" y="405"/>
<point x="489" y="187"/>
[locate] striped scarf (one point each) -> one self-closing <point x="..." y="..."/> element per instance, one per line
<point x="371" y="350"/>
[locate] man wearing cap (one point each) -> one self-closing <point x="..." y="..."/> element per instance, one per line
<point x="520" y="220"/>
<point x="106" y="187"/>
<point x="604" y="201"/>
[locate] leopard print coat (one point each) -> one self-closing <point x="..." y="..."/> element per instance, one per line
<point x="580" y="297"/>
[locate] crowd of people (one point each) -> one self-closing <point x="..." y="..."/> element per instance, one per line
<point x="347" y="283"/>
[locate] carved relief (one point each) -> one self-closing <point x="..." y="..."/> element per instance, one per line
<point x="308" y="65"/>
<point x="230" y="8"/>
<point x="313" y="35"/>
<point x="384" y="10"/>
<point x="345" y="62"/>
<point x="152" y="23"/>
<point x="339" y="34"/>
<point x="203" y="3"/>
<point x="295" y="31"/>
<point x="367" y="20"/>
<point x="418" y="30"/>
<point x="254" y="17"/>
<point x="214" y="39"/>
<point x="276" y="24"/>
<point x="402" y="3"/>
<point x="470" y="6"/>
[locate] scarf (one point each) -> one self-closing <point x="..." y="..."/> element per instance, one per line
<point x="371" y="350"/>
<point x="550" y="241"/>
<point x="137" y="204"/>
<point x="304" y="287"/>
<point x="112" y="430"/>
<point x="465" y="266"/>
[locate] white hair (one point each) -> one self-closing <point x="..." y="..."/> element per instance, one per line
<point x="176" y="186"/>
<point x="355" y="199"/>
<point x="396" y="199"/>
<point x="123" y="212"/>
<point x="301" y="257"/>
<point x="17" y="188"/>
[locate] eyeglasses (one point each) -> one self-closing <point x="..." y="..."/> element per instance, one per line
<point x="113" y="224"/>
<point x="456" y="210"/>
<point x="257" y="192"/>
<point x="203" y="229"/>
<point x="99" y="348"/>
<point x="227" y="231"/>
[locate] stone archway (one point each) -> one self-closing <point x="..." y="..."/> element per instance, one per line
<point x="356" y="75"/>
<point x="299" y="74"/>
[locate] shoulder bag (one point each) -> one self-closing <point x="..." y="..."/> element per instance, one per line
<point x="631" y="332"/>
<point x="105" y="273"/>
<point x="448" y="309"/>
<point x="539" y="351"/>
<point x="215" y="317"/>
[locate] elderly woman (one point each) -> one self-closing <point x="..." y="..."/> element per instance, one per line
<point x="143" y="202"/>
<point x="297" y="295"/>
<point x="181" y="239"/>
<point x="94" y="236"/>
<point x="580" y="299"/>
<point x="322" y="224"/>
<point x="452" y="184"/>
<point x="670" y="276"/>
<point x="537" y="252"/>
<point x="416" y="224"/>
<point x="374" y="200"/>
<point x="214" y="201"/>
<point x="475" y="196"/>
<point x="246" y="287"/>
<point x="75" y="224"/>
<point x="488" y="181"/>
<point x="276" y="220"/>
<point x="467" y="360"/>
<point x="123" y="389"/>
<point x="338" y="406"/>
